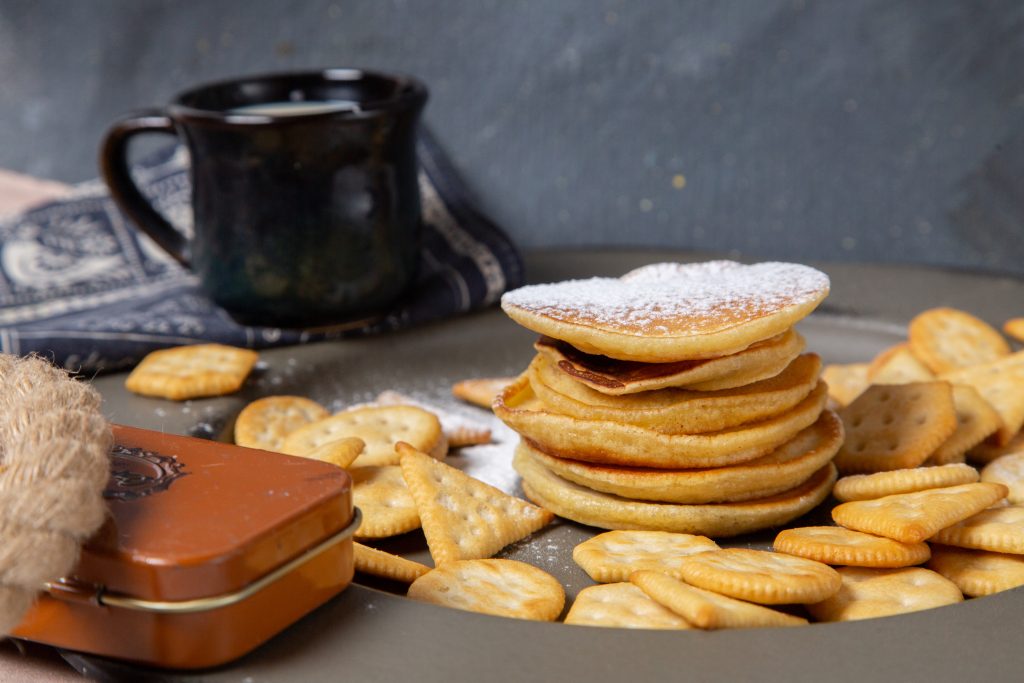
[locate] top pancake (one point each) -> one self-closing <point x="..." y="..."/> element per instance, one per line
<point x="669" y="312"/>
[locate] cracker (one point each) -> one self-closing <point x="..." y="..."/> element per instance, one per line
<point x="836" y="545"/>
<point x="381" y="427"/>
<point x="1008" y="471"/>
<point x="481" y="391"/>
<point x="266" y="422"/>
<point x="977" y="572"/>
<point x="998" y="530"/>
<point x="385" y="565"/>
<point x="987" y="450"/>
<point x="975" y="420"/>
<point x="946" y="339"/>
<point x="760" y="576"/>
<point x="913" y="517"/>
<point x="196" y="371"/>
<point x="506" y="588"/>
<point x="868" y="593"/>
<point x="706" y="609"/>
<point x="999" y="383"/>
<point x="898" y="365"/>
<point x="614" y="555"/>
<point x="462" y="517"/>
<point x="880" y="484"/>
<point x="890" y="427"/>
<point x="845" y="382"/>
<point x="586" y="506"/>
<point x="1014" y="327"/>
<point x="341" y="452"/>
<point x="460" y="431"/>
<point x="388" y="508"/>
<point x="621" y="605"/>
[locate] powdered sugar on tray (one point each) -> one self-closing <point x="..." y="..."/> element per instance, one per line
<point x="491" y="463"/>
<point x="648" y="296"/>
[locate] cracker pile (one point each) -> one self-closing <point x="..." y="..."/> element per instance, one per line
<point x="675" y="398"/>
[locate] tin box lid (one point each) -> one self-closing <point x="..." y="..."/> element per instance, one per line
<point x="193" y="518"/>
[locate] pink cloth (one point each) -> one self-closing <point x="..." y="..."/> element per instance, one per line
<point x="19" y="192"/>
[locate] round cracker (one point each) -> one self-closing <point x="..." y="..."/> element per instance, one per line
<point x="868" y="593"/>
<point x="621" y="605"/>
<point x="380" y="427"/>
<point x="614" y="555"/>
<point x="998" y="529"/>
<point x="266" y="422"/>
<point x="836" y="545"/>
<point x="946" y="339"/>
<point x="787" y="466"/>
<point x="505" y="588"/>
<point x="761" y="576"/>
<point x="978" y="572"/>
<point x="669" y="312"/>
<point x="1007" y="470"/>
<point x="388" y="507"/>
<point x="612" y="512"/>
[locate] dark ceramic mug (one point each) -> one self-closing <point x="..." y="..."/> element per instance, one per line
<point x="304" y="191"/>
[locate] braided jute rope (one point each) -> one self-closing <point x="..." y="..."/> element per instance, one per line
<point x="54" y="464"/>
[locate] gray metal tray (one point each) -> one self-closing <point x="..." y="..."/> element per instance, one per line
<point x="367" y="634"/>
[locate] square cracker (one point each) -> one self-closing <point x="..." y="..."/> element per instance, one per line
<point x="845" y="382"/>
<point x="621" y="605"/>
<point x="196" y="371"/>
<point x="895" y="426"/>
<point x="463" y="518"/>
<point x="1001" y="383"/>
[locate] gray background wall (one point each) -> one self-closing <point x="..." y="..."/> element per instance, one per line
<point x="796" y="129"/>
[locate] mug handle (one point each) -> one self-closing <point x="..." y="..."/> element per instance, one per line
<point x="116" y="173"/>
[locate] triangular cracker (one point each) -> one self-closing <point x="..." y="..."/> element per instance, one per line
<point x="975" y="419"/>
<point x="998" y="383"/>
<point x="462" y="517"/>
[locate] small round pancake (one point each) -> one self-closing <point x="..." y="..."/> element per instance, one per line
<point x="612" y="443"/>
<point x="836" y="545"/>
<point x="506" y="588"/>
<point x="614" y="555"/>
<point x="678" y="411"/>
<point x="612" y="512"/>
<point x="761" y="576"/>
<point x="868" y="593"/>
<point x="671" y="311"/>
<point x="977" y="572"/>
<point x="1009" y="471"/>
<point x="881" y="484"/>
<point x="787" y="466"/>
<point x="266" y="422"/>
<point x="621" y="605"/>
<point x="620" y="378"/>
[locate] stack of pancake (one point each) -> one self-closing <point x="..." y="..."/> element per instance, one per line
<point x="676" y="398"/>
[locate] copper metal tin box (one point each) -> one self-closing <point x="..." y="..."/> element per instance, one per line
<point x="210" y="549"/>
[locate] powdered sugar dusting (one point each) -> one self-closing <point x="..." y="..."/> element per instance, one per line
<point x="672" y="298"/>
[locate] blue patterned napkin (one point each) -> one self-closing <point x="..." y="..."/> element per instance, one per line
<point x="80" y="285"/>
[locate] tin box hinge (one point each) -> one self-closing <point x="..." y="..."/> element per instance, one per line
<point x="68" y="589"/>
